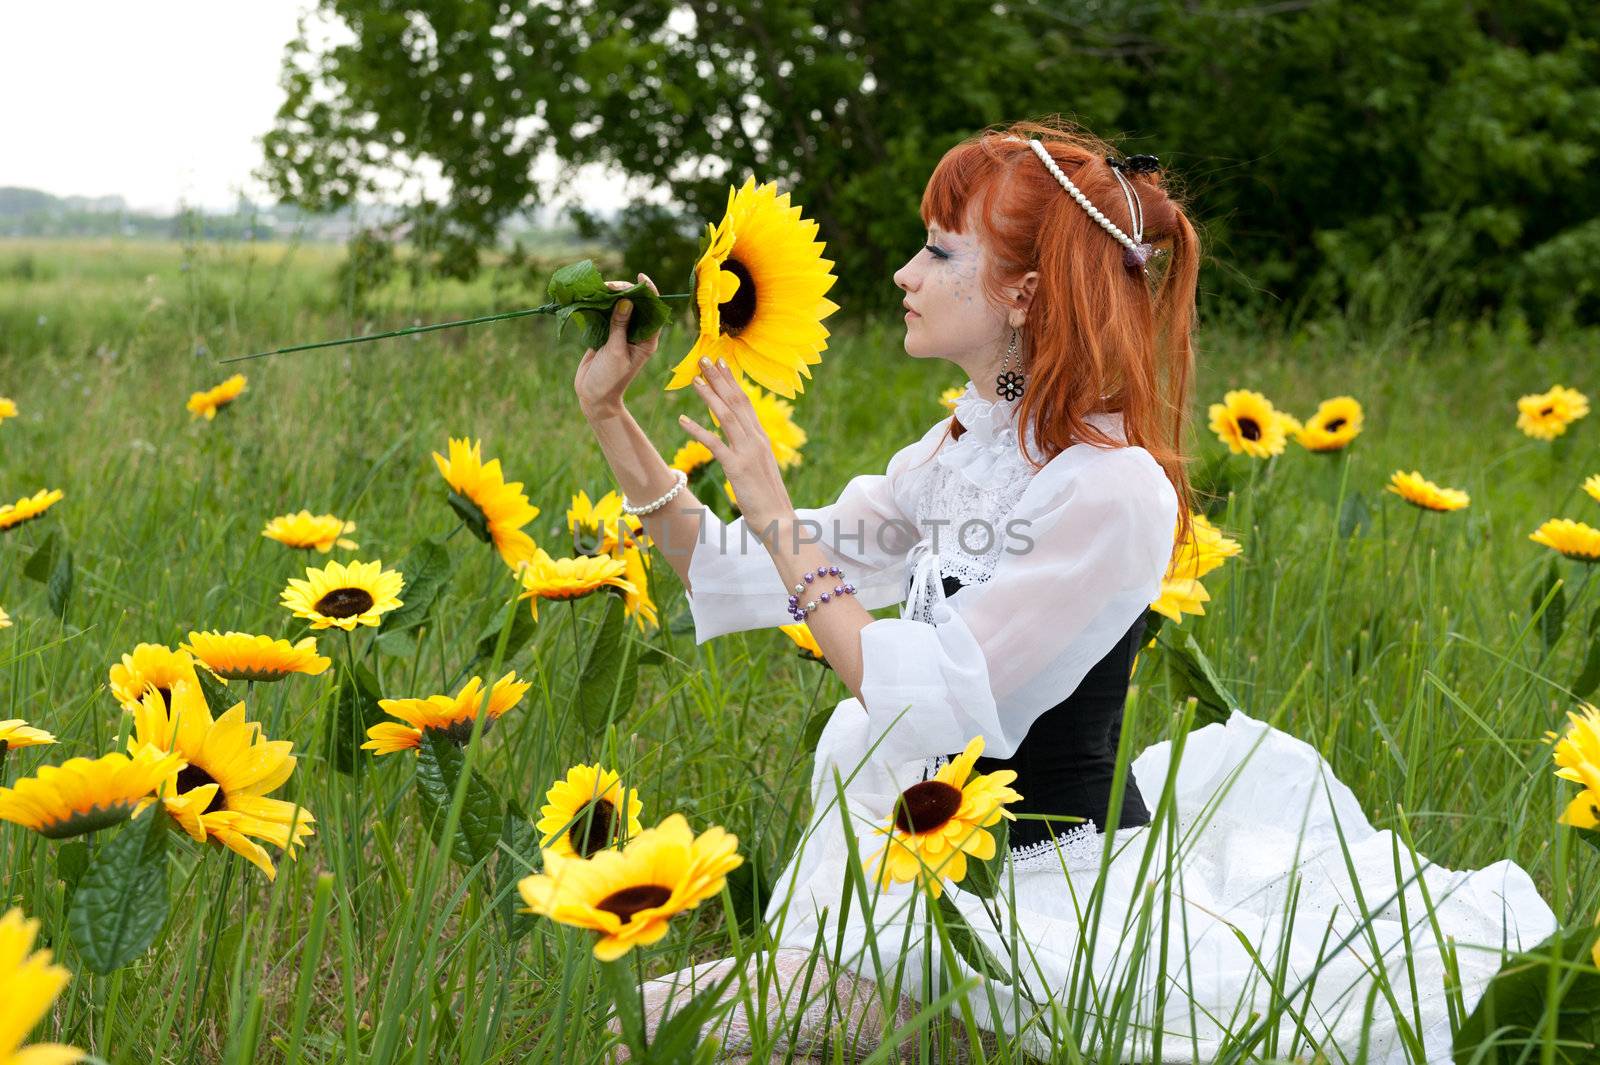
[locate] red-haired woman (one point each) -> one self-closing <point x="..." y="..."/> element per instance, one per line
<point x="1027" y="535"/>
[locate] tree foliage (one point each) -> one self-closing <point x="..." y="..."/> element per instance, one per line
<point x="1382" y="155"/>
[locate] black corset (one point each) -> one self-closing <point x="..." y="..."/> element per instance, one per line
<point x="1065" y="763"/>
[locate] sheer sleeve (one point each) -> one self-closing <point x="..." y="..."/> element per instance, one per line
<point x="866" y="532"/>
<point x="1085" y="551"/>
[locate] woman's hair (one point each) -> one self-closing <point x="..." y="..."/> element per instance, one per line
<point x="1094" y="329"/>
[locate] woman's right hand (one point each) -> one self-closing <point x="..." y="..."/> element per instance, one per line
<point x="605" y="372"/>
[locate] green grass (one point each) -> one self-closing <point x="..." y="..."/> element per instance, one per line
<point x="1406" y="654"/>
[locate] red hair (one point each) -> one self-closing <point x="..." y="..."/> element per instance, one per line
<point x="1093" y="329"/>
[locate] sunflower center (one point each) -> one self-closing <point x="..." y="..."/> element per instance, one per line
<point x="1334" y="424"/>
<point x="924" y="807"/>
<point x="1547" y="412"/>
<point x="1249" y="428"/>
<point x="345" y="603"/>
<point x="192" y="776"/>
<point x="738" y="312"/>
<point x="166" y="696"/>
<point x="595" y="828"/>
<point x="630" y="900"/>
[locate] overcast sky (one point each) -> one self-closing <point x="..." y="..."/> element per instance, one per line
<point x="157" y="101"/>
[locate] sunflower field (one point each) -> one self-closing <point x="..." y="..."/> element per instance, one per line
<point x="316" y="667"/>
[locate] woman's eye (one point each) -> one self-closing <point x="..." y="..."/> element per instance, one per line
<point x="938" y="253"/>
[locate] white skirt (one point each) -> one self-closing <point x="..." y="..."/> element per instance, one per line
<point x="1258" y="819"/>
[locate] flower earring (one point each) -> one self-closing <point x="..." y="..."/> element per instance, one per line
<point x="1010" y="383"/>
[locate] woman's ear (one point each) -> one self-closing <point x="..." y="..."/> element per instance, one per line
<point x="1022" y="298"/>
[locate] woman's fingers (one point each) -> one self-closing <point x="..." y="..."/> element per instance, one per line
<point x="719" y="449"/>
<point x="720" y="377"/>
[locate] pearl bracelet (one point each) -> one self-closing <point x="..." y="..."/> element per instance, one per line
<point x="679" y="478"/>
<point x="799" y="612"/>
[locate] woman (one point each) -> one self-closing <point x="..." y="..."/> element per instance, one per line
<point x="1026" y="536"/>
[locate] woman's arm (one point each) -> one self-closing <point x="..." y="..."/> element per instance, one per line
<point x="601" y="382"/>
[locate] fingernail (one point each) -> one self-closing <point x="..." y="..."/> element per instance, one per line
<point x="704" y="361"/>
<point x="624" y="306"/>
<point x="683" y="417"/>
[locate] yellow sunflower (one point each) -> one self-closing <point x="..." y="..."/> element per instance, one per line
<point x="241" y="656"/>
<point x="601" y="528"/>
<point x="570" y="578"/>
<point x="5" y="619"/>
<point x="1180" y="596"/>
<point x="1592" y="486"/>
<point x="1336" y="423"/>
<point x="937" y="823"/>
<point x="588" y="811"/>
<point x="727" y="488"/>
<point x="344" y="595"/>
<point x="637" y="604"/>
<point x="306" y="530"/>
<point x="502" y="506"/>
<point x="1578" y="756"/>
<point x="87" y="794"/>
<point x="222" y="794"/>
<point x="1205" y="549"/>
<point x="1421" y="492"/>
<point x="1572" y="538"/>
<point x="800" y="633"/>
<point x="759" y="293"/>
<point x="691" y="457"/>
<point x="151" y="667"/>
<point x="206" y="404"/>
<point x="15" y="733"/>
<point x="451" y="715"/>
<point x="777" y="421"/>
<point x="29" y="983"/>
<point x="8" y="408"/>
<point x="1249" y="424"/>
<point x="948" y="397"/>
<point x="28" y="508"/>
<point x="1546" y="415"/>
<point x="629" y="896"/>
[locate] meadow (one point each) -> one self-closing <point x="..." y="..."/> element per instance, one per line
<point x="1423" y="654"/>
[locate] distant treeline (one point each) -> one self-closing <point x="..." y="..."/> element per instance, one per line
<point x="1382" y="157"/>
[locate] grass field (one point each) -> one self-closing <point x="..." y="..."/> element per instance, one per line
<point x="1407" y="653"/>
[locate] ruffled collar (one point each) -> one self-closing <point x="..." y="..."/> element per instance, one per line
<point x="989" y="453"/>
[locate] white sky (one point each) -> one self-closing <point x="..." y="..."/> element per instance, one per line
<point x="159" y="101"/>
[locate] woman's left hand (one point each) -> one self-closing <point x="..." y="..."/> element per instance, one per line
<point x="744" y="451"/>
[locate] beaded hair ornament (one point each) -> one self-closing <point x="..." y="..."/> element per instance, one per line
<point x="1135" y="252"/>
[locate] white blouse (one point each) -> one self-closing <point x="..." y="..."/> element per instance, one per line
<point x="1056" y="565"/>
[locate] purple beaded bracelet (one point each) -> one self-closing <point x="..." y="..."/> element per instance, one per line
<point x="799" y="612"/>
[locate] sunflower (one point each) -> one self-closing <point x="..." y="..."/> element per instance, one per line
<point x="1336" y="423"/>
<point x="629" y="896"/>
<point x="241" y="656"/>
<point x="222" y="792"/>
<point x="758" y="291"/>
<point x="637" y="604"/>
<point x="1572" y="538"/>
<point x="1592" y="486"/>
<point x="1421" y="492"/>
<point x="344" y="595"/>
<point x="29" y="983"/>
<point x="87" y="794"/>
<point x="1248" y="423"/>
<point x="5" y="619"/>
<point x="15" y="733"/>
<point x="948" y="397"/>
<point x="583" y="813"/>
<point x="777" y="421"/>
<point x="387" y="737"/>
<point x="800" y="633"/>
<point x="450" y="715"/>
<point x="570" y="578"/>
<point x="1204" y="550"/>
<point x="1546" y="415"/>
<point x="151" y="667"/>
<point x="306" y="530"/>
<point x="1292" y="426"/>
<point x="937" y="823"/>
<point x="206" y="404"/>
<point x="1578" y="756"/>
<point x="8" y="408"/>
<point x="727" y="488"/>
<point x="601" y="528"/>
<point x="1180" y="596"/>
<point x="28" y="508"/>
<point x="691" y="457"/>
<point x="502" y="508"/>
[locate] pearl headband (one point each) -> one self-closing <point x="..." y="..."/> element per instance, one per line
<point x="1136" y="252"/>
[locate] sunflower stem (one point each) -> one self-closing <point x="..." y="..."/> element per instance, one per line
<point x="218" y="915"/>
<point x="5" y="745"/>
<point x="577" y="647"/>
<point x="451" y="534"/>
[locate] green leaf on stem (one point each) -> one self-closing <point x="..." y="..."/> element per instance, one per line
<point x="472" y="514"/>
<point x="1515" y="1011"/>
<point x="610" y="673"/>
<point x="1192" y="674"/>
<point x="983" y="877"/>
<point x="219" y="700"/>
<point x="1555" y="615"/>
<point x="968" y="946"/>
<point x="121" y="901"/>
<point x="522" y="629"/>
<point x="355" y="711"/>
<point x="440" y="767"/>
<point x="42" y="562"/>
<point x="428" y="568"/>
